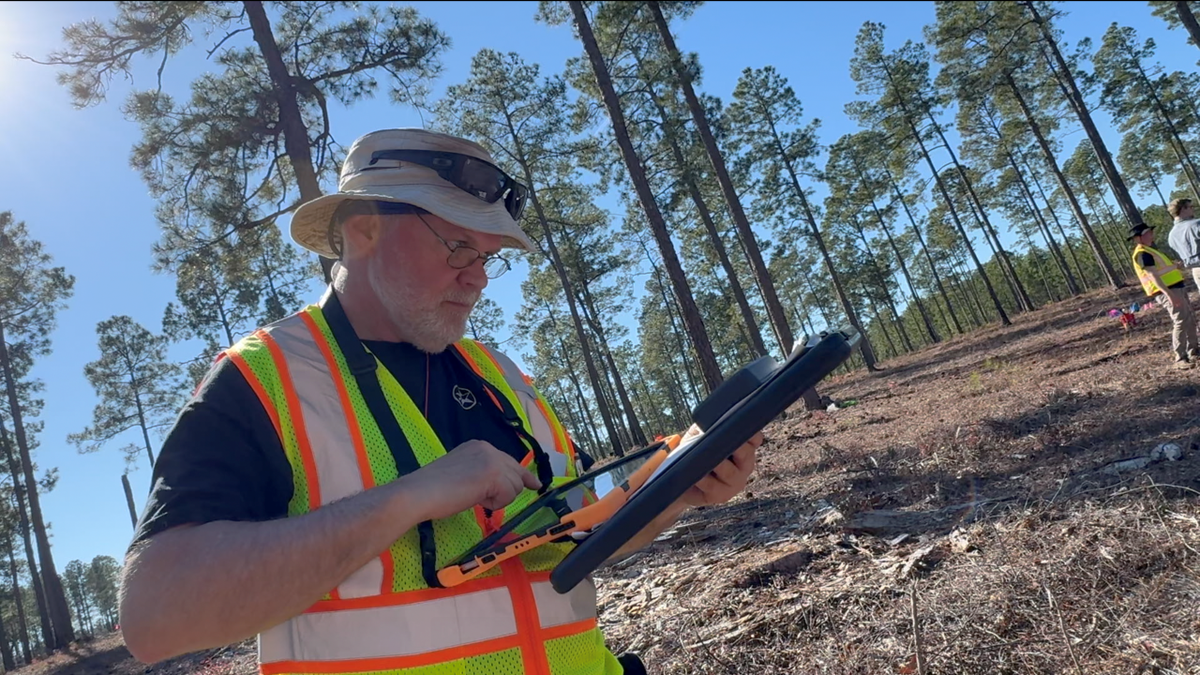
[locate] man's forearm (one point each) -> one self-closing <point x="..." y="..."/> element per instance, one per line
<point x="204" y="586"/>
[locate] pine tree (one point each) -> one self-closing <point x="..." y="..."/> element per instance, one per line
<point x="39" y="594"/>
<point x="75" y="580"/>
<point x="1179" y="13"/>
<point x="521" y="118"/>
<point x="901" y="81"/>
<point x="749" y="239"/>
<point x="1130" y="91"/>
<point x="485" y="320"/>
<point x="851" y="176"/>
<point x="253" y="140"/>
<point x="8" y="508"/>
<point x="691" y="313"/>
<point x="137" y="386"/>
<point x="766" y="118"/>
<point x="31" y="293"/>
<point x="102" y="581"/>
<point x="1065" y="78"/>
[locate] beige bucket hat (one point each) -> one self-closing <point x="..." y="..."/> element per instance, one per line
<point x="408" y="183"/>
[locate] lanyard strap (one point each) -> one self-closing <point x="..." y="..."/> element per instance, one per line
<point x="362" y="365"/>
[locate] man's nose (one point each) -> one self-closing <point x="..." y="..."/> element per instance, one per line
<point x="473" y="275"/>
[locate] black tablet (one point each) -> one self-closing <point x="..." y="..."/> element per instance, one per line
<point x="744" y="404"/>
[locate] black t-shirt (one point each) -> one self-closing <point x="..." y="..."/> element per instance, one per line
<point x="1147" y="260"/>
<point x="222" y="460"/>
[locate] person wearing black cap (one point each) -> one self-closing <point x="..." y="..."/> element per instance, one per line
<point x="1163" y="280"/>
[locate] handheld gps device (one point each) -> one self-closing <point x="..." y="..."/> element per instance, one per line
<point x="745" y="403"/>
<point x="601" y="510"/>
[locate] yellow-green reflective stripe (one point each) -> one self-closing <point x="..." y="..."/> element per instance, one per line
<point x="454" y="535"/>
<point x="264" y="378"/>
<point x="494" y="377"/>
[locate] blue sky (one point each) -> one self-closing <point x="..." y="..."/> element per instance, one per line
<point x="65" y="172"/>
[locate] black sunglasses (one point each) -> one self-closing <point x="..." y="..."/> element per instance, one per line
<point x="481" y="179"/>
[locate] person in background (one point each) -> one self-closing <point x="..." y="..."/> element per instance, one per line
<point x="1184" y="237"/>
<point x="1163" y="280"/>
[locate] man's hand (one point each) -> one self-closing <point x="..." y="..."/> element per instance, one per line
<point x="472" y="473"/>
<point x="728" y="478"/>
<point x="719" y="486"/>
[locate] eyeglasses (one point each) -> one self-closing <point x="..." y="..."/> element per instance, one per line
<point x="481" y="179"/>
<point x="463" y="256"/>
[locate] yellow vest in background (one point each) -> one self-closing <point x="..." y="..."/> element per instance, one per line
<point x="1148" y="284"/>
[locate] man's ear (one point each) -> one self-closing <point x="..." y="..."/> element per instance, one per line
<point x="360" y="236"/>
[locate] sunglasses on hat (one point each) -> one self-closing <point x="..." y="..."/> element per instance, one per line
<point x="481" y="179"/>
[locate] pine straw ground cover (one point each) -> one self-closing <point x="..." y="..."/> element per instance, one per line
<point x="974" y="495"/>
<point x="973" y="501"/>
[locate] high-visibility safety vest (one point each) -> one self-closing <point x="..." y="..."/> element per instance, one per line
<point x="1148" y="284"/>
<point x="317" y="381"/>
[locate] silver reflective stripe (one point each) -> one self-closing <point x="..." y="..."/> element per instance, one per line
<point x="528" y="397"/>
<point x="328" y="431"/>
<point x="402" y="630"/>
<point x="557" y="610"/>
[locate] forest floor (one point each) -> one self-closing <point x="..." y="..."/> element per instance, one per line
<point x="1002" y="502"/>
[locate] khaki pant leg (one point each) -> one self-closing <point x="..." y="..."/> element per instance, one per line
<point x="1178" y="341"/>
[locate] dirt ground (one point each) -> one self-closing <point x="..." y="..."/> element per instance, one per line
<point x="1019" y="500"/>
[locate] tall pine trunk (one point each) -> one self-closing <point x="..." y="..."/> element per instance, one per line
<point x="129" y="499"/>
<point x="589" y="309"/>
<point x="39" y="592"/>
<point x="881" y="282"/>
<point x="637" y="174"/>
<point x="1040" y="268"/>
<point x="6" y="651"/>
<point x="735" y="284"/>
<point x="937" y="278"/>
<point x="1006" y="267"/>
<point x="912" y="287"/>
<point x="1037" y="182"/>
<point x="291" y="122"/>
<point x="141" y="414"/>
<point x="843" y="299"/>
<point x="1072" y="287"/>
<point x="912" y="125"/>
<point x="941" y="185"/>
<point x="887" y="231"/>
<point x="1185" y="158"/>
<point x="775" y="311"/>
<point x="1052" y="162"/>
<point x="56" y="600"/>
<point x="1070" y="89"/>
<point x="22" y="621"/>
<point x="568" y="288"/>
<point x="1188" y="19"/>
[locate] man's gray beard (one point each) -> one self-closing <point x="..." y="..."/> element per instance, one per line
<point x="426" y="328"/>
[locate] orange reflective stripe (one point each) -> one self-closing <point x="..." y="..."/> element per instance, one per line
<point x="533" y="652"/>
<point x="555" y="430"/>
<point x="470" y="360"/>
<point x="392" y="662"/>
<point x="360" y="448"/>
<point x="407" y="597"/>
<point x="481" y="520"/>
<point x="249" y="376"/>
<point x="567" y="629"/>
<point x="493" y="397"/>
<point x="293" y="404"/>
<point x="491" y="358"/>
